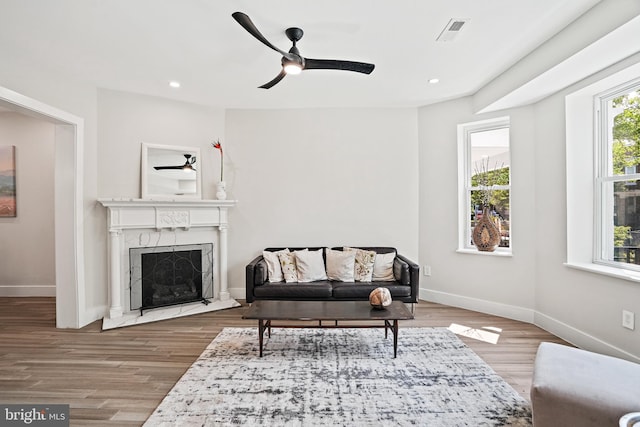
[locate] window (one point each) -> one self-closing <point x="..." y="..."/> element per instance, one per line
<point x="590" y="210"/>
<point x="618" y="177"/>
<point x="484" y="176"/>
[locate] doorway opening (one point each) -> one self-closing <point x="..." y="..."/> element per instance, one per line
<point x="68" y="209"/>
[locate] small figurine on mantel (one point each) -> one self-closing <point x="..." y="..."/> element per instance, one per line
<point x="221" y="193"/>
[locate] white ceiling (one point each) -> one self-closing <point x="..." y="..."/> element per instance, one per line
<point x="140" y="45"/>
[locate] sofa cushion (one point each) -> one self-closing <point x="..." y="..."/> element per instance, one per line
<point x="314" y="290"/>
<point x="363" y="271"/>
<point x="361" y="290"/>
<point x="340" y="265"/>
<point x="383" y="267"/>
<point x="288" y="264"/>
<point x="310" y="266"/>
<point x="273" y="265"/>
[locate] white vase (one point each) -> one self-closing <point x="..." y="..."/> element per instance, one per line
<point x="221" y="193"/>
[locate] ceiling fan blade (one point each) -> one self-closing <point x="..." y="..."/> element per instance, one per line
<point x="334" y="64"/>
<point x="160" y="168"/>
<point x="248" y="25"/>
<point x="274" y="81"/>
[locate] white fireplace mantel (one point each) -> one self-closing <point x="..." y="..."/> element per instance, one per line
<point x="155" y="217"/>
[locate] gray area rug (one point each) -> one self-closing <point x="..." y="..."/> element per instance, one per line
<point x="340" y="377"/>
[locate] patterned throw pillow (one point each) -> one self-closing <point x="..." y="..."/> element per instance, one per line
<point x="363" y="270"/>
<point x="288" y="264"/>
<point x="310" y="265"/>
<point x="273" y="265"/>
<point x="340" y="265"/>
<point x="383" y="267"/>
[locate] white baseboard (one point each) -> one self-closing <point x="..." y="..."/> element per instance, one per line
<point x="568" y="333"/>
<point x="238" y="293"/>
<point x="580" y="339"/>
<point x="27" y="291"/>
<point x="92" y="314"/>
<point x="475" y="304"/>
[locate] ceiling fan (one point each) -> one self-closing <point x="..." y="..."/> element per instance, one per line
<point x="292" y="61"/>
<point x="188" y="165"/>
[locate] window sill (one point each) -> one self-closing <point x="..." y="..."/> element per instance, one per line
<point x="619" y="273"/>
<point x="497" y="252"/>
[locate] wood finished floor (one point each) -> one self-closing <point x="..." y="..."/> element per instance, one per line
<point x="118" y="377"/>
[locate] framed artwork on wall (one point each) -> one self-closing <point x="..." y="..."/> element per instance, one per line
<point x="7" y="181"/>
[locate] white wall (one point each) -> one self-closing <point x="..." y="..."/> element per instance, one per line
<point x="27" y="241"/>
<point x="302" y="177"/>
<point x="533" y="285"/>
<point x="584" y="307"/>
<point x="321" y="177"/>
<point x="127" y="120"/>
<point x="494" y="284"/>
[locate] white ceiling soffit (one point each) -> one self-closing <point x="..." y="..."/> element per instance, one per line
<point x="617" y="45"/>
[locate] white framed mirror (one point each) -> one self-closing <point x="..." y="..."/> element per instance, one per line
<point x="170" y="172"/>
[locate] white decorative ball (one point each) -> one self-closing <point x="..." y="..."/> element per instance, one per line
<point x="380" y="298"/>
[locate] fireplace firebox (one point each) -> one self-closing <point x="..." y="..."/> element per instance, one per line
<point x="162" y="276"/>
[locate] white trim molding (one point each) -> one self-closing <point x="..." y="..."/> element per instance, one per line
<point x="579" y="338"/>
<point x="476" y="304"/>
<point x="27" y="290"/>
<point x="562" y="330"/>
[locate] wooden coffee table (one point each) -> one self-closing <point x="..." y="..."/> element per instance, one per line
<point x="335" y="311"/>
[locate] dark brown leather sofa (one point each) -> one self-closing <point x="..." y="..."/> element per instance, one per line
<point x="404" y="288"/>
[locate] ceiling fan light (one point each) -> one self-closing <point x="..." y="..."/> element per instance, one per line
<point x="292" y="68"/>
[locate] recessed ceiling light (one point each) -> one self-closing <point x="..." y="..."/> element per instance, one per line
<point x="434" y="81"/>
<point x="174" y="84"/>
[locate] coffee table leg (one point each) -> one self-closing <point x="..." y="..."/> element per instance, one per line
<point x="260" y="334"/>
<point x="395" y="338"/>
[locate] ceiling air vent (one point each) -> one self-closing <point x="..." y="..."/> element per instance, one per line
<point x="452" y="29"/>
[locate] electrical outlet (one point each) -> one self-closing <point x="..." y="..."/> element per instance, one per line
<point x="426" y="270"/>
<point x="628" y="319"/>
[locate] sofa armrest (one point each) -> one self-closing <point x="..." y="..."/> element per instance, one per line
<point x="255" y="275"/>
<point x="401" y="271"/>
<point x="407" y="272"/>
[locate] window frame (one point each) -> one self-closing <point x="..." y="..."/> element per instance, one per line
<point x="465" y="172"/>
<point x="603" y="253"/>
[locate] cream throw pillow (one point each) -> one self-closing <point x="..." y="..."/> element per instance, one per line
<point x="340" y="265"/>
<point x="383" y="267"/>
<point x="310" y="265"/>
<point x="363" y="270"/>
<point x="273" y="265"/>
<point x="288" y="264"/>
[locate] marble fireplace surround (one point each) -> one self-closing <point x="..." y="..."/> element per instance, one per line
<point x="137" y="223"/>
